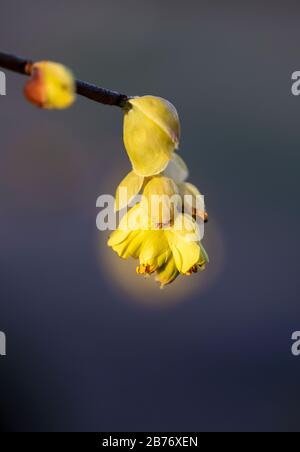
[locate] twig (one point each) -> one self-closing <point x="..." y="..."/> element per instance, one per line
<point x="92" y="92"/>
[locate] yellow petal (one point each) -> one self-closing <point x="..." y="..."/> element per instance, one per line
<point x="130" y="223"/>
<point x="132" y="220"/>
<point x="168" y="273"/>
<point x="161" y="112"/>
<point x="159" y="201"/>
<point x="128" y="238"/>
<point x="51" y="86"/>
<point x="127" y="190"/>
<point x="177" y="169"/>
<point x="151" y="134"/>
<point x="128" y="247"/>
<point x="183" y="240"/>
<point x="193" y="201"/>
<point x="201" y="264"/>
<point x="155" y="250"/>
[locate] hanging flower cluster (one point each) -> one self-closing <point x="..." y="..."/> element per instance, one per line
<point x="161" y="230"/>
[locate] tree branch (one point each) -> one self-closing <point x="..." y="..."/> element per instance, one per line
<point x="92" y="92"/>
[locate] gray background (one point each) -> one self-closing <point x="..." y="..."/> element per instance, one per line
<point x="90" y="346"/>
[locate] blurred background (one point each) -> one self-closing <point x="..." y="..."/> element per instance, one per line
<point x="90" y="346"/>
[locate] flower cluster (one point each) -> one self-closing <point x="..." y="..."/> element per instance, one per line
<point x="162" y="229"/>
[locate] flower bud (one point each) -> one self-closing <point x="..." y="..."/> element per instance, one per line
<point x="151" y="134"/>
<point x="51" y="86"/>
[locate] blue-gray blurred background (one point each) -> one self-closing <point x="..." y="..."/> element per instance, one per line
<point x="90" y="346"/>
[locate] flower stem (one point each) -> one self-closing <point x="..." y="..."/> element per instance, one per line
<point x="92" y="92"/>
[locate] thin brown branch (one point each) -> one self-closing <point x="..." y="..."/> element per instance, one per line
<point x="88" y="90"/>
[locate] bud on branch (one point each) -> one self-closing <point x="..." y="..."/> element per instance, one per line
<point x="167" y="238"/>
<point x="92" y="92"/>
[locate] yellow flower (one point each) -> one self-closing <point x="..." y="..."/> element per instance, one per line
<point x="161" y="230"/>
<point x="159" y="201"/>
<point x="167" y="273"/>
<point x="169" y="252"/>
<point x="151" y="134"/>
<point x="169" y="183"/>
<point x="193" y="200"/>
<point x="128" y="189"/>
<point x="154" y="252"/>
<point x="51" y="86"/>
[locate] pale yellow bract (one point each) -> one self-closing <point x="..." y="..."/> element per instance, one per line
<point x="151" y="134"/>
